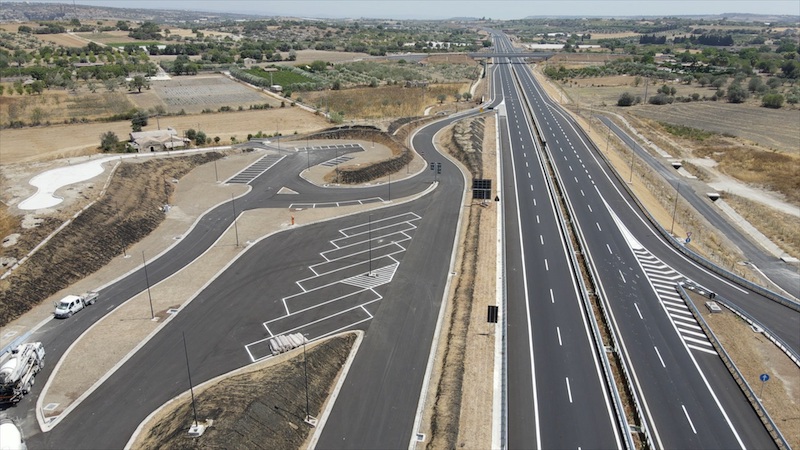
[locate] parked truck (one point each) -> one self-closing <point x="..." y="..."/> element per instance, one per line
<point x="71" y="304"/>
<point x="18" y="367"/>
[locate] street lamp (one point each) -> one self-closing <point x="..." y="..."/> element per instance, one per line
<point x="369" y="228"/>
<point x="235" y="226"/>
<point x="147" y="280"/>
<point x="675" y="208"/>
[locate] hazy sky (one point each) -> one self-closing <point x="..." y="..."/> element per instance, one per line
<point x="442" y="9"/>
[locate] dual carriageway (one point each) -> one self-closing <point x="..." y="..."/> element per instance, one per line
<point x="558" y="386"/>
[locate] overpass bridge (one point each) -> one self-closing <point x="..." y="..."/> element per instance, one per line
<point x="533" y="55"/>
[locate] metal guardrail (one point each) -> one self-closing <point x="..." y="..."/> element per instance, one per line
<point x="774" y="296"/>
<point x="600" y="348"/>
<point x="762" y="413"/>
<point x="780" y="343"/>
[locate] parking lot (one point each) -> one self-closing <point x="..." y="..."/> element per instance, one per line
<point x="343" y="292"/>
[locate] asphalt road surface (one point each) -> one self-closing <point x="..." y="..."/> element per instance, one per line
<point x="236" y="309"/>
<point x="683" y="409"/>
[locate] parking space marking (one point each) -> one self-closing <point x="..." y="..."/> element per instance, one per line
<point x="363" y="258"/>
<point x="255" y="170"/>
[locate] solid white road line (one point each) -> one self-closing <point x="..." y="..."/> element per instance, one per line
<point x="689" y="419"/>
<point x="569" y="392"/>
<point x="660" y="358"/>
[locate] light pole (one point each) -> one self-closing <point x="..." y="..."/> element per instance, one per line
<point x="630" y="180"/>
<point x="369" y="225"/>
<point x="191" y="386"/>
<point x="235" y="226"/>
<point x="147" y="280"/>
<point x="305" y="375"/>
<point x="675" y="208"/>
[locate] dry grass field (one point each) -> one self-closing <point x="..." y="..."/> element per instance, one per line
<point x="107" y="37"/>
<point x="769" y="128"/>
<point x="578" y="60"/>
<point x="57" y="106"/>
<point x="384" y="101"/>
<point x="59" y="141"/>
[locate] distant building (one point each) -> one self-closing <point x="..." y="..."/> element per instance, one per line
<point x="157" y="140"/>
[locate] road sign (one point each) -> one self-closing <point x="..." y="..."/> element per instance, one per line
<point x="481" y="189"/>
<point x="687" y="240"/>
<point x="492" y="314"/>
<point x="763" y="377"/>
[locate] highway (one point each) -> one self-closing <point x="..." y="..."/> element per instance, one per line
<point x="557" y="394"/>
<point x="559" y="398"/>
<point x="689" y="400"/>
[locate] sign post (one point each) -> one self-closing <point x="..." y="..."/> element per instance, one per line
<point x="764" y="378"/>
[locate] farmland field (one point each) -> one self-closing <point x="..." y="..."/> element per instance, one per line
<point x="107" y="37"/>
<point x="281" y="77"/>
<point x="194" y="94"/>
<point x="67" y="40"/>
<point x="773" y="129"/>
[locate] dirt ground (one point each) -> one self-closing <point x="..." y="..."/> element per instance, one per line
<point x="754" y="354"/>
<point x="459" y="401"/>
<point x="260" y="407"/>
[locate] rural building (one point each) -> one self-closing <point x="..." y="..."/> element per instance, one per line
<point x="157" y="140"/>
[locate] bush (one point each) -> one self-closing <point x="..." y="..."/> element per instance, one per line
<point x="773" y="100"/>
<point x="626" y="99"/>
<point x="737" y="94"/>
<point x="108" y="141"/>
<point x="200" y="138"/>
<point x="660" y="99"/>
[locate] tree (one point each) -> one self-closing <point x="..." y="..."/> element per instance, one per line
<point x="626" y="99"/>
<point x="441" y="98"/>
<point x="139" y="120"/>
<point x="754" y="84"/>
<point x="108" y="141"/>
<point x="138" y="82"/>
<point x="318" y="66"/>
<point x="773" y="100"/>
<point x="191" y="134"/>
<point x="467" y="96"/>
<point x="216" y="139"/>
<point x="737" y="94"/>
<point x="200" y="138"/>
<point x="719" y="82"/>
